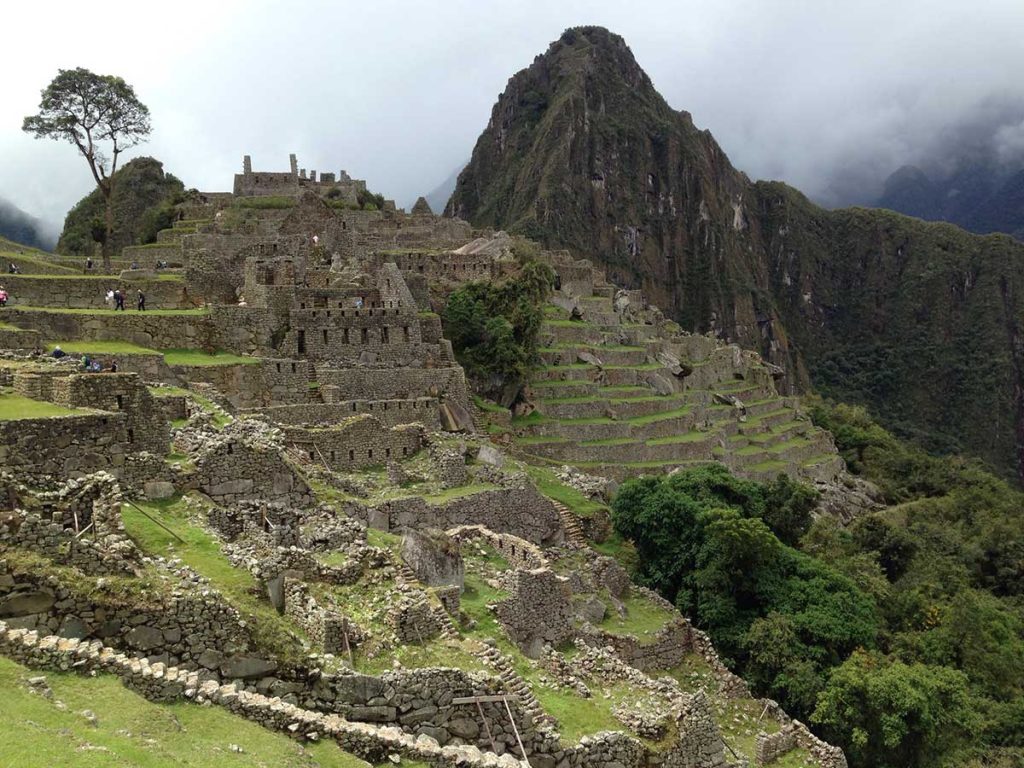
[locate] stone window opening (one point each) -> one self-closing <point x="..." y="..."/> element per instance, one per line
<point x="131" y="435"/>
<point x="353" y="405"/>
<point x="405" y="451"/>
<point x="365" y="336"/>
<point x="344" y="334"/>
<point x="120" y="402"/>
<point x="301" y="341"/>
<point x="351" y="455"/>
<point x="405" y="332"/>
<point x="369" y="453"/>
<point x="384" y="335"/>
<point x="278" y="367"/>
<point x="387" y="453"/>
<point x="332" y="455"/>
<point x="231" y="447"/>
<point x="325" y="336"/>
<point x="385" y="405"/>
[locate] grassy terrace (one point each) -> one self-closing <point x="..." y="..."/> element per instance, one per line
<point x="14" y="407"/>
<point x="171" y="356"/>
<point x="643" y="618"/>
<point x="201" y="551"/>
<point x="131" y="731"/>
<point x="113" y="312"/>
<point x="102" y="278"/>
<point x="549" y="484"/>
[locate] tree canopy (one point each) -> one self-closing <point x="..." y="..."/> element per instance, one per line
<point x="100" y="115"/>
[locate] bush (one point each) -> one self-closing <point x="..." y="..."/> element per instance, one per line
<point x="494" y="327"/>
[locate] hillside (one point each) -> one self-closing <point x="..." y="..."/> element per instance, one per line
<point x="980" y="195"/>
<point x="918" y="321"/>
<point x="22" y="228"/>
<point x="143" y="196"/>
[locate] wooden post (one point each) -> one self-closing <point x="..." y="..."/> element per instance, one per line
<point x="515" y="730"/>
<point x="487" y="727"/>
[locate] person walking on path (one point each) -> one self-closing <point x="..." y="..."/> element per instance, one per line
<point x="3" y="296"/>
<point x="118" y="300"/>
<point x="142" y="301"/>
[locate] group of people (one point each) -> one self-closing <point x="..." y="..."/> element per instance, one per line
<point x="115" y="300"/>
<point x="89" y="364"/>
<point x="12" y="269"/>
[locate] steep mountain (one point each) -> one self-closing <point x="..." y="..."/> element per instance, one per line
<point x="921" y="322"/>
<point x="979" y="195"/>
<point x="438" y="196"/>
<point x="19" y="226"/>
<point x="143" y="198"/>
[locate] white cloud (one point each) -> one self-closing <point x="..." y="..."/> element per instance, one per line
<point x="397" y="92"/>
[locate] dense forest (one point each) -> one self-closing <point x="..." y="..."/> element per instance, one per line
<point x="899" y="637"/>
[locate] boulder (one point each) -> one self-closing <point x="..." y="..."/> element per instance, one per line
<point x="589" y="358"/>
<point x="434" y="557"/>
<point x="488" y="454"/>
<point x="26" y="603"/>
<point x="247" y="667"/>
<point x="158" y="489"/>
<point x="145" y="638"/>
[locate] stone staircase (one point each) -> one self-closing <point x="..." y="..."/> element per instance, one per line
<point x="574" y="535"/>
<point x="516" y="685"/>
<point x="406" y="578"/>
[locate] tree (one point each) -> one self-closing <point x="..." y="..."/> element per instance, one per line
<point x="102" y="117"/>
<point x="887" y="714"/>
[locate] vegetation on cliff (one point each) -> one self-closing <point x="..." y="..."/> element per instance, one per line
<point x="918" y="321"/>
<point x="900" y="637"/>
<point x="142" y="204"/>
<point x="494" y="326"/>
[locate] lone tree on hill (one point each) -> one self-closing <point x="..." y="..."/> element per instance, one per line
<point x="99" y="114"/>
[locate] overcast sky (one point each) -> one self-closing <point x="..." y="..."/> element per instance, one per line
<point x="827" y="95"/>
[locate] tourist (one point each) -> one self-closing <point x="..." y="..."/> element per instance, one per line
<point x="86" y="362"/>
<point x="12" y="268"/>
<point x="118" y="300"/>
<point x="113" y="366"/>
<point x="135" y="265"/>
<point x="142" y="301"/>
<point x="359" y="302"/>
<point x="88" y="263"/>
<point x="109" y="300"/>
<point x="58" y="353"/>
<point x="3" y="297"/>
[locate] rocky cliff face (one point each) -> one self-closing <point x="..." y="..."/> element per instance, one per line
<point x="919" y="321"/>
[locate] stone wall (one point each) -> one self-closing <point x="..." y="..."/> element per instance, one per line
<point x="518" y="552"/>
<point x="197" y="629"/>
<point x="396" y="383"/>
<point x="64" y="446"/>
<point x="389" y="413"/>
<point x="360" y="441"/>
<point x="145" y="427"/>
<point x="232" y="469"/>
<point x="538" y="610"/>
<point x="90" y="293"/>
<point x="523" y="512"/>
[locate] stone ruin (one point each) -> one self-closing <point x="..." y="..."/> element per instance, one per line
<point x="341" y="409"/>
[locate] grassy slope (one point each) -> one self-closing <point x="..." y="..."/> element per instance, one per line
<point x="14" y="406"/>
<point x="132" y="731"/>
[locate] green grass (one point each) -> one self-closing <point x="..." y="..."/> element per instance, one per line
<point x="549" y="484"/>
<point x="488" y="405"/>
<point x="163" y="277"/>
<point x="24" y="258"/>
<point x="770" y="466"/>
<point x="643" y="618"/>
<point x="684" y="437"/>
<point x="101" y="348"/>
<point x="198" y="357"/>
<point x="662" y="416"/>
<point x="14" y="407"/>
<point x="113" y="312"/>
<point x="201" y="551"/>
<point x="195" y="357"/>
<point x="132" y="731"/>
<point x="610" y="441"/>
